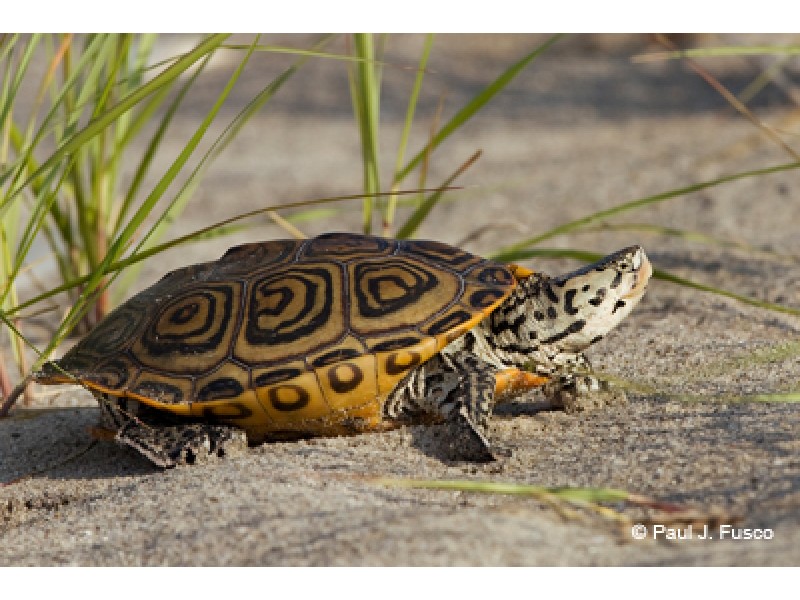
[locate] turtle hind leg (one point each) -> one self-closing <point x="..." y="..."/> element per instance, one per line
<point x="169" y="442"/>
<point x="459" y="390"/>
<point x="189" y="443"/>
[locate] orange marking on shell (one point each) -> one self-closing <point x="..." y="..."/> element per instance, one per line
<point x="244" y="411"/>
<point x="512" y="382"/>
<point x="393" y="365"/>
<point x="182" y="409"/>
<point x="349" y="383"/>
<point x="59" y="379"/>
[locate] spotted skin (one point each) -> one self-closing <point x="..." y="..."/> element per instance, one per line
<point x="340" y="334"/>
<point x="535" y="338"/>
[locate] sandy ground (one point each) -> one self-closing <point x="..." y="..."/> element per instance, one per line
<point x="581" y="130"/>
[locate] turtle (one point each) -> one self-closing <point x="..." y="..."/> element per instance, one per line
<point x="341" y="334"/>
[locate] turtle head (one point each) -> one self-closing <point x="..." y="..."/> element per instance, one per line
<point x="592" y="300"/>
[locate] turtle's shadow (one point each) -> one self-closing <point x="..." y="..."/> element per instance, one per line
<point x="56" y="443"/>
<point x="103" y="460"/>
<point x="526" y="408"/>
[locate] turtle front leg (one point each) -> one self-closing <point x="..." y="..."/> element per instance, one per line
<point x="455" y="388"/>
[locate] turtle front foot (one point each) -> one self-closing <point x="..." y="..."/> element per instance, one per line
<point x="578" y="393"/>
<point x="464" y="441"/>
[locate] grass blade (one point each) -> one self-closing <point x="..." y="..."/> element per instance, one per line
<point x="475" y="104"/>
<point x="717" y="51"/>
<point x="667" y="276"/>
<point x="418" y="216"/>
<point x="579" y="494"/>
<point x="787" y="397"/>
<point x="401" y="147"/>
<point x="586" y="497"/>
<point x="155" y="141"/>
<point x="97" y="125"/>
<point x="516" y="255"/>
<point x="365" y="93"/>
<point x="777" y="397"/>
<point x="571" y="226"/>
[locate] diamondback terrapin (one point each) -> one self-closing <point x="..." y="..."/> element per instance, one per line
<point x="341" y="334"/>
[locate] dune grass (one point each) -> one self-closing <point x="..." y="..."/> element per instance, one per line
<point x="61" y="183"/>
<point x="600" y="501"/>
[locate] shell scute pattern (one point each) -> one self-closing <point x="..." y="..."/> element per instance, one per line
<point x="289" y="336"/>
<point x="192" y="331"/>
<point x="291" y="311"/>
<point x="439" y="254"/>
<point x="230" y="380"/>
<point x="349" y="384"/>
<point x="389" y="294"/>
<point x="243" y="260"/>
<point x="393" y="365"/>
<point x="346" y="246"/>
<point x="115" y="373"/>
<point x="160" y="388"/>
<point x="244" y="409"/>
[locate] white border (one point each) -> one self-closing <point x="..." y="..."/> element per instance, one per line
<point x="402" y="584"/>
<point x="500" y="16"/>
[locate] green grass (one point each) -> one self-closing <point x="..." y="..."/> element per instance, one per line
<point x="561" y="498"/>
<point x="527" y="248"/>
<point x="717" y="52"/>
<point x="60" y="181"/>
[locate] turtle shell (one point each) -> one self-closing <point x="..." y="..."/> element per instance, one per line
<point x="288" y="336"/>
